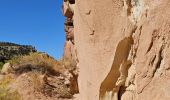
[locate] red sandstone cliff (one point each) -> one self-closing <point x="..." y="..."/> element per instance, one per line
<point x="121" y="48"/>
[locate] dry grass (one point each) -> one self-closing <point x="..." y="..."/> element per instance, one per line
<point x="37" y="65"/>
<point x="5" y="94"/>
<point x="69" y="64"/>
<point x="36" y="81"/>
<point x="37" y="62"/>
<point x="63" y="91"/>
<point x="41" y="64"/>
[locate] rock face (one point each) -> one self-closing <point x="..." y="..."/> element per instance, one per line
<point x="70" y="54"/>
<point x="6" y="68"/>
<point x="122" y="48"/>
<point x="10" y="50"/>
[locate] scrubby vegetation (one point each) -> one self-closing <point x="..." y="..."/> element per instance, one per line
<point x="36" y="62"/>
<point x="28" y="73"/>
<point x="69" y="64"/>
<point x="10" y="50"/>
<point x="45" y="74"/>
<point x="1" y="65"/>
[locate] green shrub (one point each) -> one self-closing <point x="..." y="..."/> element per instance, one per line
<point x="1" y="65"/>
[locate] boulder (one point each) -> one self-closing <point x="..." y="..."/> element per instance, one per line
<point x="6" y="68"/>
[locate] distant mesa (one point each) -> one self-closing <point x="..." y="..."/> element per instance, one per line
<point x="9" y="50"/>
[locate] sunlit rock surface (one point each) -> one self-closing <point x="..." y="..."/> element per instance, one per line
<point x="122" y="48"/>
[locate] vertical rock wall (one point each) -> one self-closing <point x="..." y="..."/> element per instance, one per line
<point x="70" y="56"/>
<point x="122" y="48"/>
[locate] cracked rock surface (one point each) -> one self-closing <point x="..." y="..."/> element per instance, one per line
<point x="108" y="33"/>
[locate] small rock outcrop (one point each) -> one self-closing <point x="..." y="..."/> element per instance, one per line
<point x="6" y="68"/>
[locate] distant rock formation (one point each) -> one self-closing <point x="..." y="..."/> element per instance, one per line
<point x="9" y="50"/>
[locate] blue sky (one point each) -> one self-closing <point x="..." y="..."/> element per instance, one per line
<point x="33" y="22"/>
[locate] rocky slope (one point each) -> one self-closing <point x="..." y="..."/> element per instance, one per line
<point x="121" y="48"/>
<point x="30" y="75"/>
<point x="36" y="76"/>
